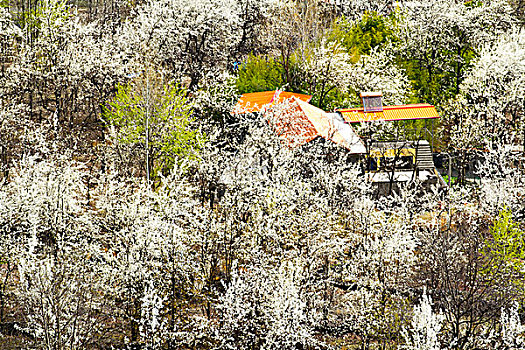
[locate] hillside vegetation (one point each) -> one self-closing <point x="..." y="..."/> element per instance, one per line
<point x="138" y="212"/>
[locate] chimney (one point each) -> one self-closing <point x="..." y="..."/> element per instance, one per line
<point x="372" y="101"/>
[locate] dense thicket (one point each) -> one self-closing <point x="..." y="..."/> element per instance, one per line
<point x="137" y="212"/>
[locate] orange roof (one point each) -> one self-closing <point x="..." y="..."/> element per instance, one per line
<point x="390" y="113"/>
<point x="257" y="101"/>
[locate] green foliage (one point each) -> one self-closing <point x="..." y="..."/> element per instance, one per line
<point x="263" y="73"/>
<point x="505" y="249"/>
<point x="334" y="99"/>
<point x="148" y="108"/>
<point x="43" y="17"/>
<point x="360" y="38"/>
<point x="433" y="85"/>
<point x="259" y="73"/>
<point x="474" y="3"/>
<point x="453" y="179"/>
<point x="29" y="20"/>
<point x="430" y="82"/>
<point x="436" y="70"/>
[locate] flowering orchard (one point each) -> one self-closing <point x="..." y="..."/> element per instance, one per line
<point x="138" y="212"/>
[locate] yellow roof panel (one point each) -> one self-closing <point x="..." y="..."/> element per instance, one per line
<point x="390" y="113"/>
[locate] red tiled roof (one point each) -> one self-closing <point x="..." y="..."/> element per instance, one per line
<point x="291" y="123"/>
<point x="297" y="122"/>
<point x="256" y="101"/>
<point x="391" y="113"/>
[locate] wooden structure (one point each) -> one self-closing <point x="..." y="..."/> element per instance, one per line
<point x="392" y="162"/>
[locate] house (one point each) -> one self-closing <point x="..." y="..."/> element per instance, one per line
<point x="386" y="163"/>
<point x="297" y="122"/>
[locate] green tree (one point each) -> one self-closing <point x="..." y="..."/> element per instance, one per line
<point x="505" y="249"/>
<point x="259" y="73"/>
<point x="503" y="257"/>
<point x="156" y="115"/>
<point x="359" y="38"/>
